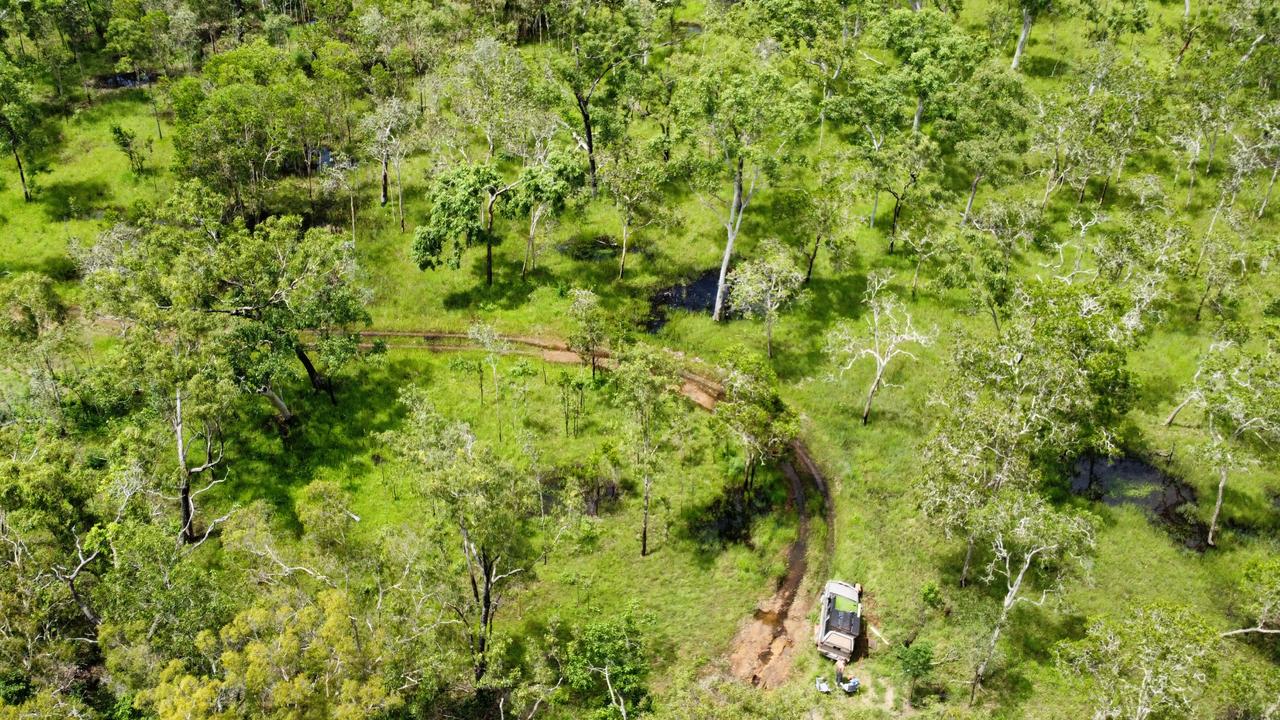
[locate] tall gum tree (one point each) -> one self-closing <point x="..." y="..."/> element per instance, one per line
<point x="889" y="330"/>
<point x="464" y="202"/>
<point x="486" y="507"/>
<point x="934" y="53"/>
<point x="744" y="115"/>
<point x="602" y="42"/>
<point x="1030" y="543"/>
<point x="17" y="116"/>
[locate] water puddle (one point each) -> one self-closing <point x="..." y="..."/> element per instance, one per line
<point x="696" y="296"/>
<point x="112" y="81"/>
<point x="1135" y="482"/>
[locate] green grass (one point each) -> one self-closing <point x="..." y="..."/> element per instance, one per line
<point x="879" y="536"/>
<point x="696" y="589"/>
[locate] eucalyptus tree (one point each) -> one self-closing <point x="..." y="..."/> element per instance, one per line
<point x="151" y="278"/>
<point x="744" y="115"/>
<point x="1259" y="590"/>
<point x="589" y="329"/>
<point x="387" y="132"/>
<point x="910" y="164"/>
<point x="485" y="504"/>
<point x="634" y="182"/>
<point x="250" y="116"/>
<point x="1062" y="362"/>
<point x="870" y="107"/>
<point x="51" y="526"/>
<point x="1030" y="543"/>
<point x="823" y="36"/>
<point x="763" y="286"/>
<point x="827" y="213"/>
<point x="1031" y="11"/>
<point x="986" y="123"/>
<point x="642" y="383"/>
<point x="980" y="449"/>
<point x="491" y="94"/>
<point x="339" y="78"/>
<point x="545" y="188"/>
<point x="131" y="38"/>
<point x="231" y="305"/>
<point x="464" y="203"/>
<point x="933" y="51"/>
<point x="40" y="341"/>
<point x="754" y="414"/>
<point x="1238" y="389"/>
<point x="1263" y="148"/>
<point x="1152" y="662"/>
<point x="609" y="662"/>
<point x="18" y="115"/>
<point x="889" y="330"/>
<point x="601" y="43"/>
<point x="494" y="346"/>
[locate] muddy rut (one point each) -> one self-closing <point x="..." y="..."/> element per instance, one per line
<point x="764" y="649"/>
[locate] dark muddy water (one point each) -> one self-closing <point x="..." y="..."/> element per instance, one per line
<point x="1168" y="501"/>
<point x="697" y="296"/>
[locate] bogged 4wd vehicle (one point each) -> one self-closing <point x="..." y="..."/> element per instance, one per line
<point x="840" y="621"/>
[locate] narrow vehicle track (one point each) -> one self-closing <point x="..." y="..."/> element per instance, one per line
<point x="764" y="649"/>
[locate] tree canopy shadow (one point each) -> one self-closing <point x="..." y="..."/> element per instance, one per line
<point x="73" y="199"/>
<point x="326" y="436"/>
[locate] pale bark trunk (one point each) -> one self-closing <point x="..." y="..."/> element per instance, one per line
<point x="973" y="193"/>
<point x="1009" y="599"/>
<point x="731" y="235"/>
<point x="530" y="250"/>
<point x="915" y="123"/>
<point x="626" y="237"/>
<point x="282" y="410"/>
<point x="399" y="195"/>
<point x="968" y="560"/>
<point x="1027" y="19"/>
<point x="1169" y="420"/>
<point x="1217" y="506"/>
<point x="871" y="394"/>
<point x="1271" y="184"/>
<point x="352" y="198"/>
<point x="188" y="509"/>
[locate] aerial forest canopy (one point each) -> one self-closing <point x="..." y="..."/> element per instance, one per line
<point x="407" y="359"/>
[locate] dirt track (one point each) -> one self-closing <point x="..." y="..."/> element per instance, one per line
<point x="764" y="648"/>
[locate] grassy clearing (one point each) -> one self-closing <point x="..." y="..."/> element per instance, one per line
<point x="699" y="595"/>
<point x="695" y="587"/>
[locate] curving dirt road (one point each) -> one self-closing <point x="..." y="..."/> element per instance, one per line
<point x="765" y="647"/>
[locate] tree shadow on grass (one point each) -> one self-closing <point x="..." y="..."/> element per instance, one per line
<point x="1043" y="66"/>
<point x="266" y="464"/>
<point x="830" y="300"/>
<point x="508" y="292"/>
<point x="73" y="200"/>
<point x="727" y="518"/>
<point x="1033" y="635"/>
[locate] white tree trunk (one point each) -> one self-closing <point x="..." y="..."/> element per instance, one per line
<point x="1027" y="19"/>
<point x="1217" y="506"/>
<point x="973" y="193"/>
<point x="1010" y="598"/>
<point x="1271" y="184"/>
<point x="731" y="236"/>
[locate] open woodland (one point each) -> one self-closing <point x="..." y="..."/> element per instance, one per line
<point x="543" y="359"/>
